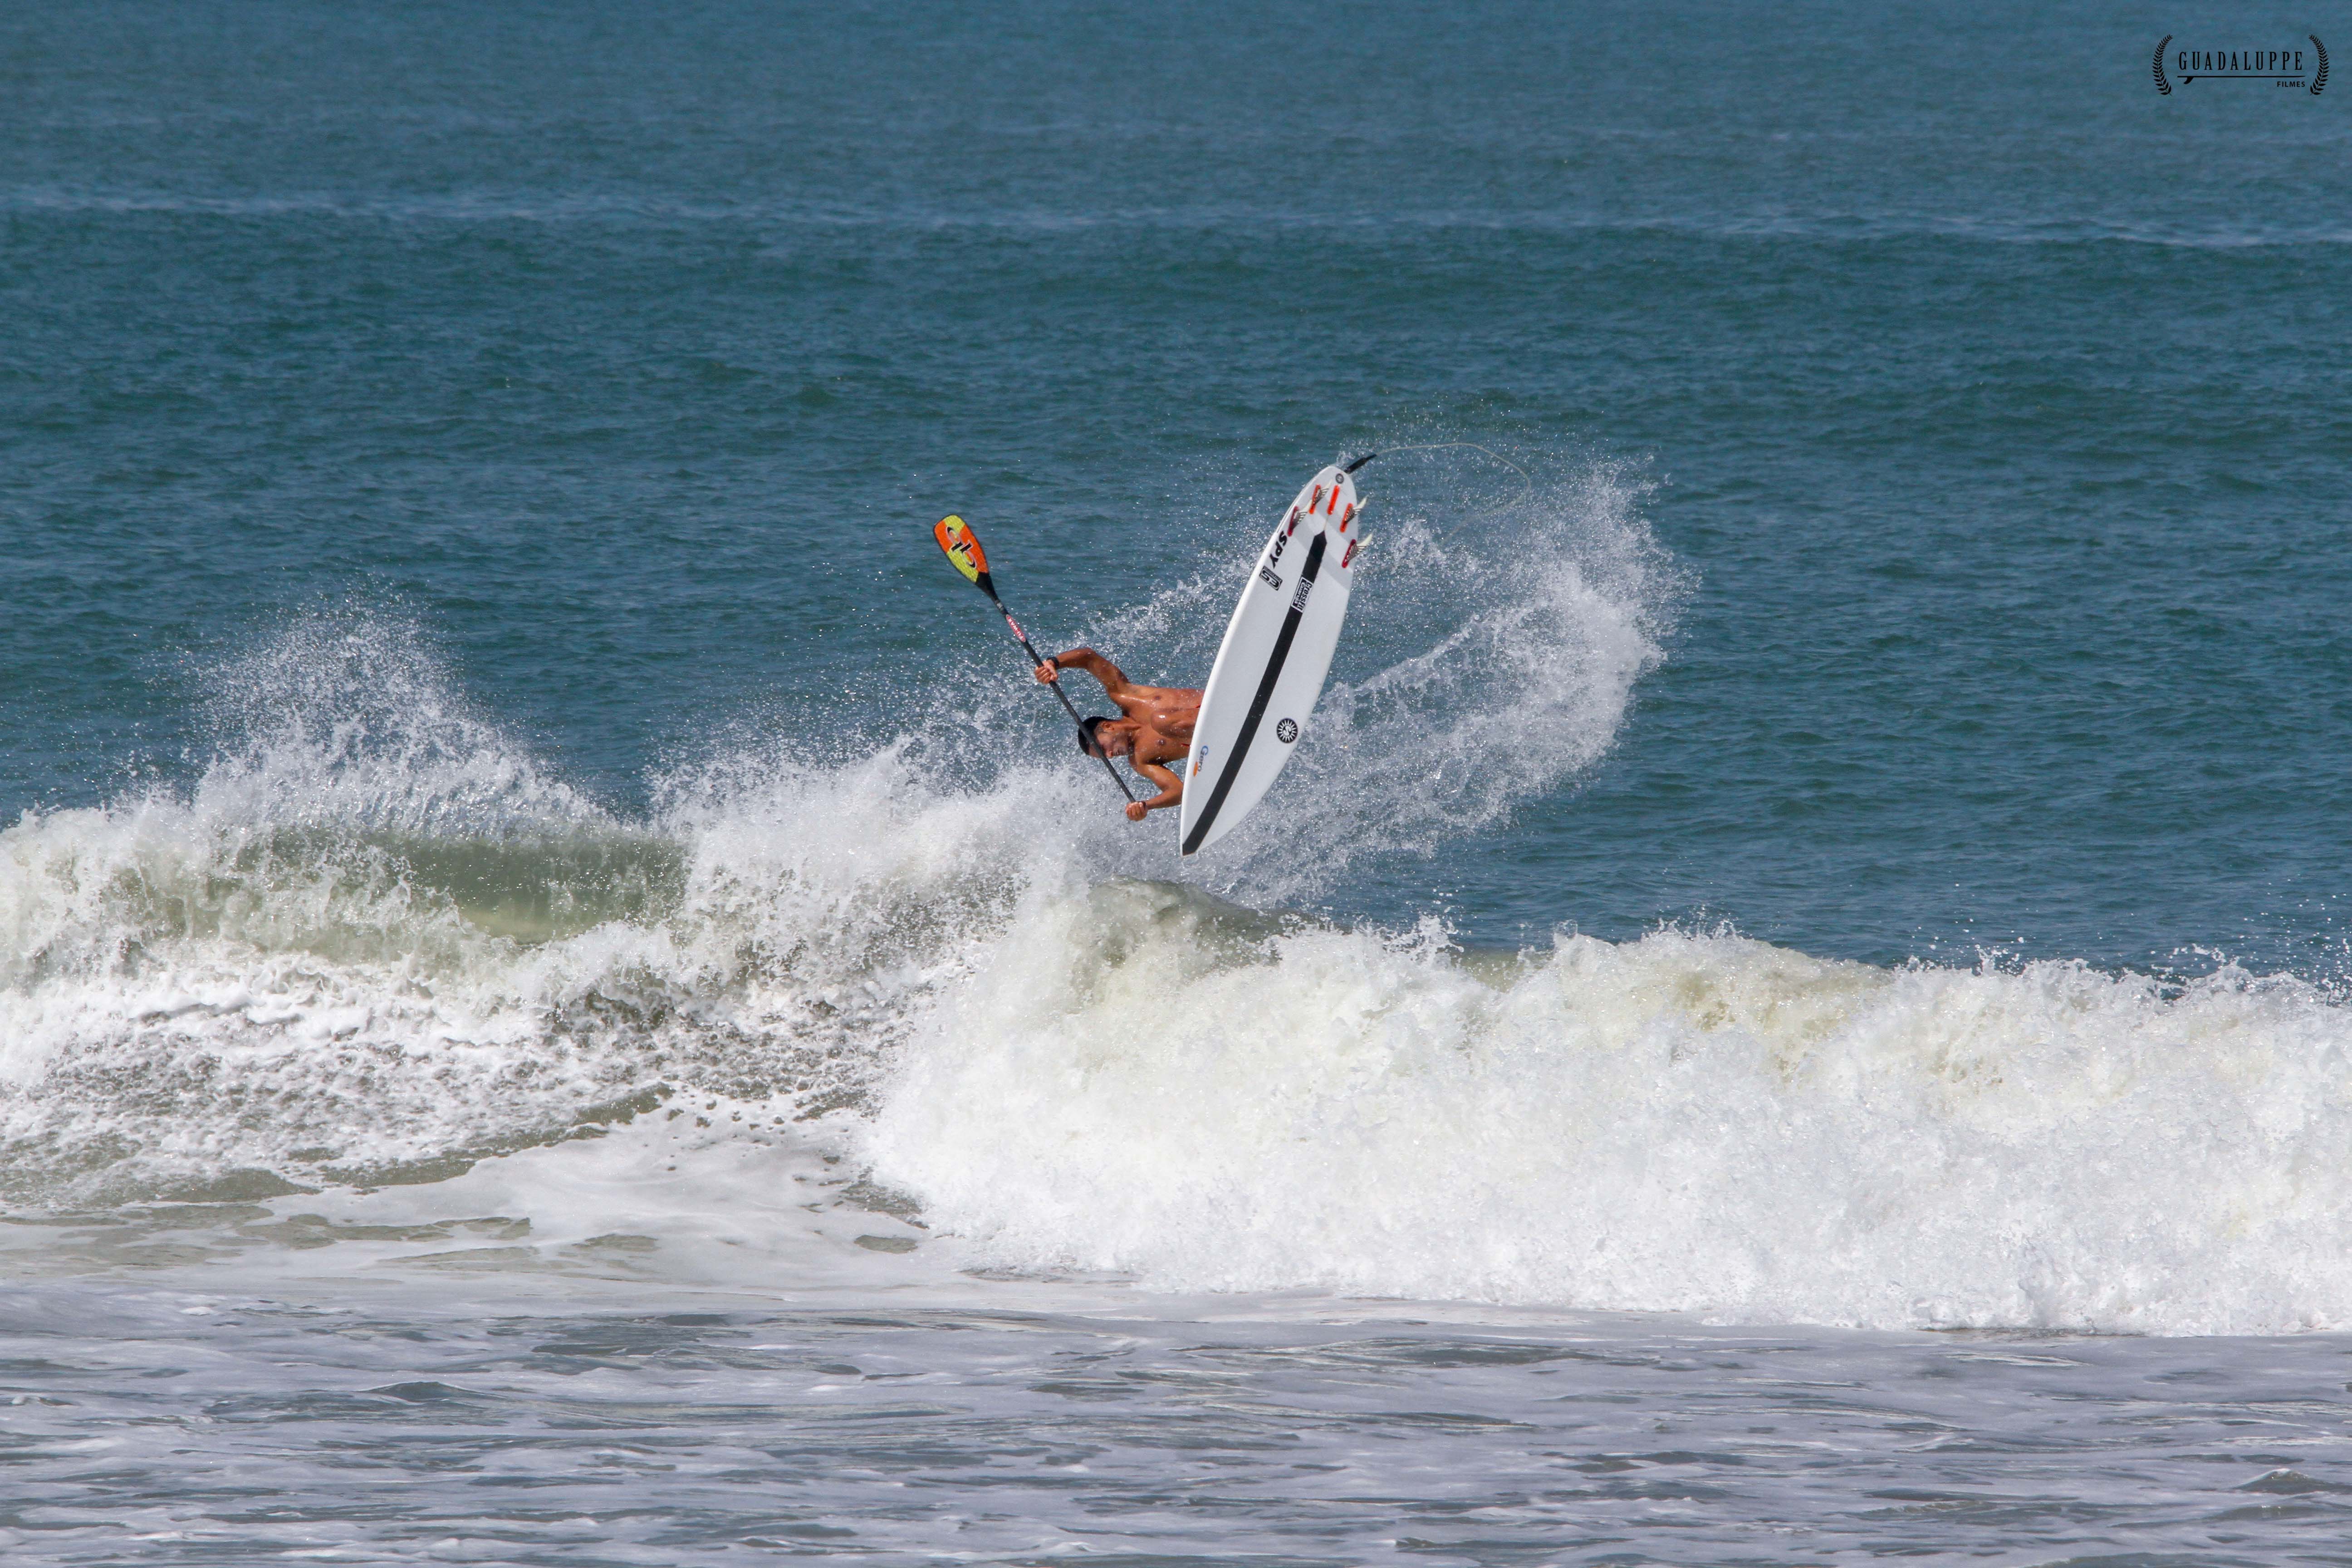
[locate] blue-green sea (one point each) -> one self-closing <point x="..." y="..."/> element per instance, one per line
<point x="563" y="997"/>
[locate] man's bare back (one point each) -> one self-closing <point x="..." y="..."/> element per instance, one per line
<point x="1155" y="727"/>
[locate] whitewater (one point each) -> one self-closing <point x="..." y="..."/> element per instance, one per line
<point x="376" y="950"/>
<point x="566" y="1001"/>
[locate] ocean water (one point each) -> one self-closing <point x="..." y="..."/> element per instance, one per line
<point x="562" y="997"/>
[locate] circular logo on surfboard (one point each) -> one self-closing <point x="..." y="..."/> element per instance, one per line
<point x="1285" y="731"/>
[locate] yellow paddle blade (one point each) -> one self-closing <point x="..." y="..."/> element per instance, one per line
<point x="962" y="545"/>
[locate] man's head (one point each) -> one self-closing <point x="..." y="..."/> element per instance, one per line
<point x="1103" y="736"/>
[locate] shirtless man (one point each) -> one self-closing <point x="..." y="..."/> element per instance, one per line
<point x="1155" y="726"/>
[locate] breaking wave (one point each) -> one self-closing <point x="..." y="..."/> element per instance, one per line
<point x="376" y="942"/>
<point x="1693" y="1122"/>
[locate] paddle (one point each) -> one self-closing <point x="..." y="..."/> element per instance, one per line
<point x="964" y="551"/>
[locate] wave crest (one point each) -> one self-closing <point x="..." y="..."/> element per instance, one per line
<point x="1690" y="1122"/>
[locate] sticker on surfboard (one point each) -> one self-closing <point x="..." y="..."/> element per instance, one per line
<point x="1271" y="666"/>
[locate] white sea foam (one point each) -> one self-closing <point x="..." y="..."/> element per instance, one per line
<point x="377" y="943"/>
<point x="1693" y="1122"/>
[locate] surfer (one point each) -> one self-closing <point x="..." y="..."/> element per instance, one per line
<point x="1154" y="726"/>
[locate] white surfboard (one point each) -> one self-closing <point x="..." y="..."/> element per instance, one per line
<point x="1271" y="666"/>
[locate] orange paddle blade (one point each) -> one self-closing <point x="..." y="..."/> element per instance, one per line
<point x="962" y="545"/>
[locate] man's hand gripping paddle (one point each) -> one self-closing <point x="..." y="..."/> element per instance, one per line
<point x="962" y="547"/>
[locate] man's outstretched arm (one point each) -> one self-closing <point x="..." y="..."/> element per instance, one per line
<point x="1172" y="791"/>
<point x="1087" y="659"/>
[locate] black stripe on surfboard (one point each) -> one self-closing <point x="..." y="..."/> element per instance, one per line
<point x="1273" y="664"/>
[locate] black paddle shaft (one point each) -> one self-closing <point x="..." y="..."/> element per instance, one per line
<point x="1036" y="659"/>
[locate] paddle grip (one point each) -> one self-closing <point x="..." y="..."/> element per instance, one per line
<point x="1036" y="659"/>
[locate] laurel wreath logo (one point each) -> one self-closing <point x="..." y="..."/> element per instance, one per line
<point x="2164" y="83"/>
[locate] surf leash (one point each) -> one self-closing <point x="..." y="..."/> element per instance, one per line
<point x="963" y="552"/>
<point x="1525" y="480"/>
